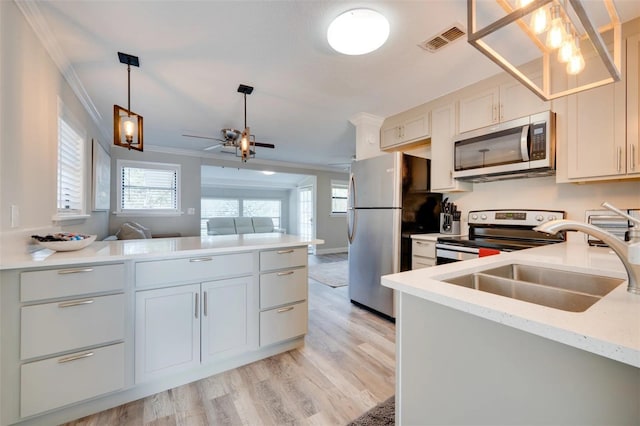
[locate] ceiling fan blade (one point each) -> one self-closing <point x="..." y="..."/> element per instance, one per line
<point x="263" y="145"/>
<point x="203" y="137"/>
<point x="209" y="148"/>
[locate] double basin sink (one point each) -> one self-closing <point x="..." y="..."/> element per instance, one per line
<point x="554" y="288"/>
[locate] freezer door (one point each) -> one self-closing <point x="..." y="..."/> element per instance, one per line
<point x="374" y="251"/>
<point x="377" y="181"/>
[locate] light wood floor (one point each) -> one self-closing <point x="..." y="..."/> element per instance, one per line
<point x="346" y="367"/>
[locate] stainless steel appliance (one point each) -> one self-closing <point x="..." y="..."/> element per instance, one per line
<point x="519" y="148"/>
<point x="611" y="222"/>
<point x="389" y="199"/>
<point x="495" y="231"/>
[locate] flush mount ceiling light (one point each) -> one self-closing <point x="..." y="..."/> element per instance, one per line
<point x="127" y="125"/>
<point x="546" y="44"/>
<point x="358" y="31"/>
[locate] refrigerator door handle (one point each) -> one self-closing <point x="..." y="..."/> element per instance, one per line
<point x="351" y="212"/>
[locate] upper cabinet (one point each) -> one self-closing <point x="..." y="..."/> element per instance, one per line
<point x="602" y="131"/>
<point x="405" y="129"/>
<point x="442" y="151"/>
<point x="502" y="102"/>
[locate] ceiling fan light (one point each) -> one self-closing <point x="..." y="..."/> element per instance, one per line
<point x="358" y="31"/>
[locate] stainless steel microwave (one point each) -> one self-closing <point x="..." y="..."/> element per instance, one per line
<point x="519" y="148"/>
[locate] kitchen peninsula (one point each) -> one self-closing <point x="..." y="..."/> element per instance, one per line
<point x="87" y="330"/>
<point x="466" y="356"/>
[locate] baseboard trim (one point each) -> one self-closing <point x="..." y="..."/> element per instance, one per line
<point x="332" y="250"/>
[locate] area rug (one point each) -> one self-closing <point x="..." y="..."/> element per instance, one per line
<point x="383" y="414"/>
<point x="333" y="274"/>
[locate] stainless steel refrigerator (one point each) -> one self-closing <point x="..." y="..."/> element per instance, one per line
<point x="388" y="197"/>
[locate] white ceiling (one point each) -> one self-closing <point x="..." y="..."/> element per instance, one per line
<point x="230" y="177"/>
<point x="194" y="54"/>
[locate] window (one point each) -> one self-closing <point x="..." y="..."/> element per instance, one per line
<point x="148" y="188"/>
<point x="71" y="166"/>
<point x="338" y="197"/>
<point x="233" y="207"/>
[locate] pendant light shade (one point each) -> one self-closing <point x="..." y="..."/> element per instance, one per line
<point x="127" y="125"/>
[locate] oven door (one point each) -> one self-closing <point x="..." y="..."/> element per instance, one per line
<point x="449" y="253"/>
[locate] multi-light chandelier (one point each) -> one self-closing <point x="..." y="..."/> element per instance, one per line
<point x="559" y="30"/>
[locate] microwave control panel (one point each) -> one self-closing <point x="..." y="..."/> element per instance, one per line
<point x="538" y="141"/>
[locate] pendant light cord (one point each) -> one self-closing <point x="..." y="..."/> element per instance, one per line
<point x="128" y="90"/>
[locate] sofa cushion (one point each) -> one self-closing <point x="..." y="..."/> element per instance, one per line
<point x="132" y="231"/>
<point x="244" y="225"/>
<point x="262" y="224"/>
<point x="221" y="226"/>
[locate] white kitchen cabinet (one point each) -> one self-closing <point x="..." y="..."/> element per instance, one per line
<point x="228" y="318"/>
<point x="287" y="322"/>
<point x="167" y="331"/>
<point x="442" y="161"/>
<point x="423" y="253"/>
<point x="596" y="130"/>
<point x="633" y="105"/>
<point x="405" y="129"/>
<point x="506" y="101"/>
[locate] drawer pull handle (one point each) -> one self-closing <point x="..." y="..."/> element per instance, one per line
<point x="285" y="251"/>
<point x="287" y="309"/>
<point x="75" y="303"/>
<point x="422" y="243"/>
<point x="281" y="274"/>
<point x="74" y="271"/>
<point x="201" y="259"/>
<point x="204" y="303"/>
<point x="75" y="357"/>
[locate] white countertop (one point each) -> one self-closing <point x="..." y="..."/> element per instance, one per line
<point x="610" y="327"/>
<point x="155" y="248"/>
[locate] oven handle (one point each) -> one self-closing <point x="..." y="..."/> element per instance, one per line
<point x="473" y="250"/>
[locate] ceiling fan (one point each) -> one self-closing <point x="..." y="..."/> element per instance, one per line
<point x="243" y="141"/>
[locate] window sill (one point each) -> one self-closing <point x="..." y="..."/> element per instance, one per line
<point x="337" y="214"/>
<point x="69" y="217"/>
<point x="148" y="213"/>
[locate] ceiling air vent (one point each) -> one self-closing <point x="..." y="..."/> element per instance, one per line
<point x="443" y="38"/>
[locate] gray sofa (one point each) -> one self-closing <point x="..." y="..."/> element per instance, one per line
<point x="240" y="225"/>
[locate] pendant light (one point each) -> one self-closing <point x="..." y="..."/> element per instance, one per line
<point x="127" y="125"/>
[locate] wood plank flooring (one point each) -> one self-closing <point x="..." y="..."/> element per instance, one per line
<point x="346" y="367"/>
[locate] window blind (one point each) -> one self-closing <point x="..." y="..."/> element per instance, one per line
<point x="149" y="188"/>
<point x="70" y="168"/>
<point x="339" y="197"/>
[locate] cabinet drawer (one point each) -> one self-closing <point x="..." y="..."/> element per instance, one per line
<point x="418" y="262"/>
<point x="423" y="248"/>
<point x="280" y="288"/>
<point x="283" y="323"/>
<point x="54" y="382"/>
<point x="197" y="268"/>
<point x="54" y="283"/>
<point x="284" y="258"/>
<point x="64" y="326"/>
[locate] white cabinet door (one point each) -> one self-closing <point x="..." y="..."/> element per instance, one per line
<point x="596" y="129"/>
<point x="415" y="128"/>
<point x="229" y="318"/>
<point x="479" y="110"/>
<point x="633" y="105"/>
<point x="517" y="101"/>
<point x="167" y="331"/>
<point x="442" y="132"/>
<point x="390" y="136"/>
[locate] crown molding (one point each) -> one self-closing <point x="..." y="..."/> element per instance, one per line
<point x="36" y="20"/>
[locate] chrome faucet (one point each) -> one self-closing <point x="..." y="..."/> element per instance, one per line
<point x="629" y="253"/>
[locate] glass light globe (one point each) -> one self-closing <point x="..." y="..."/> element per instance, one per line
<point x="540" y="20"/>
<point x="576" y="63"/>
<point x="358" y="31"/>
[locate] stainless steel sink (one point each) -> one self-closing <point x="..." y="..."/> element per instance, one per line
<point x="554" y="288"/>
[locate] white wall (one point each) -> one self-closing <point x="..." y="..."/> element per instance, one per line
<point x="30" y="84"/>
<point x="544" y="193"/>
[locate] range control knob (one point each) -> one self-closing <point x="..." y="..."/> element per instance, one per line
<point x="483" y="217"/>
<point x="552" y="217"/>
<point x="474" y="216"/>
<point x="539" y="218"/>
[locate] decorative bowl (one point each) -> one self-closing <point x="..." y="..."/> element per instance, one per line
<point x="71" y="245"/>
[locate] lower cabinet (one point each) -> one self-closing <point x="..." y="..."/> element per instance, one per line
<point x="423" y="254"/>
<point x="55" y="382"/>
<point x="283" y="323"/>
<point x="178" y="328"/>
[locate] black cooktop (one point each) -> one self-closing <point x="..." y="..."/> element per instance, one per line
<point x="494" y="243"/>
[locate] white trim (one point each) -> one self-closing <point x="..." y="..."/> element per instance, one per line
<point x="69" y="217"/>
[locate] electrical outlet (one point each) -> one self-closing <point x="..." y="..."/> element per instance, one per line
<point x="191" y="211"/>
